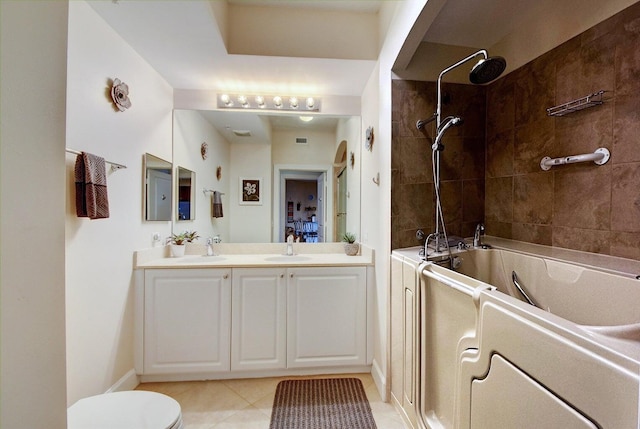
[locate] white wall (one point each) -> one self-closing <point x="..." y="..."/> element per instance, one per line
<point x="190" y="130"/>
<point x="376" y="199"/>
<point x="99" y="281"/>
<point x="349" y="130"/>
<point x="320" y="148"/>
<point x="251" y="223"/>
<point x="32" y="348"/>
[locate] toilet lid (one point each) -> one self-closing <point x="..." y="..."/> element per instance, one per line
<point x="135" y="409"/>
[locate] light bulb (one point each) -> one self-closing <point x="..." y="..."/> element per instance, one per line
<point x="277" y="102"/>
<point x="310" y="103"/>
<point x="226" y="100"/>
<point x="260" y="101"/>
<point x="243" y="101"/>
<point x="293" y="102"/>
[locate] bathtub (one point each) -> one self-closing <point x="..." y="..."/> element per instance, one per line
<point x="489" y="359"/>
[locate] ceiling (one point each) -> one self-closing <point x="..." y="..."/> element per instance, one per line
<point x="189" y="42"/>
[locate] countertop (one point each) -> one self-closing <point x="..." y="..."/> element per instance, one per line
<point x="254" y="255"/>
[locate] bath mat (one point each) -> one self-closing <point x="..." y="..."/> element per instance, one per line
<point x="330" y="403"/>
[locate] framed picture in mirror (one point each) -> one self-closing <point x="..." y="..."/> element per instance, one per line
<point x="250" y="191"/>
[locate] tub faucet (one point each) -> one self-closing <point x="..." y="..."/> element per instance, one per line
<point x="210" y="246"/>
<point x="477" y="241"/>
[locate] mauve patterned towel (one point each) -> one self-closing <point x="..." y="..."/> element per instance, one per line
<point x="217" y="204"/>
<point x="91" y="187"/>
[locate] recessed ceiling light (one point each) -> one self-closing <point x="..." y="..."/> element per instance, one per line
<point x="306" y="118"/>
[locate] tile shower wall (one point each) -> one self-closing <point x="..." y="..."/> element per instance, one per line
<point x="579" y="206"/>
<point x="462" y="162"/>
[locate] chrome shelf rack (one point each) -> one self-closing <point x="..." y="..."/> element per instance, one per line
<point x="590" y="100"/>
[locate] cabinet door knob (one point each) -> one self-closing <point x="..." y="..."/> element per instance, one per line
<point x="226" y="276"/>
<point x="291" y="275"/>
<point x="281" y="276"/>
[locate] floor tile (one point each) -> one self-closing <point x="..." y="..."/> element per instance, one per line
<point x="247" y="403"/>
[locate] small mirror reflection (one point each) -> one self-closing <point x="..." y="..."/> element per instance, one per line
<point x="157" y="188"/>
<point x="186" y="195"/>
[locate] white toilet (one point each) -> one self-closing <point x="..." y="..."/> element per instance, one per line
<point x="134" y="409"/>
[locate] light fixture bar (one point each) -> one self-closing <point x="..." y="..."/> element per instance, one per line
<point x="290" y="103"/>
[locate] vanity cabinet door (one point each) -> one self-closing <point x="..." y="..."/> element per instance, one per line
<point x="326" y="317"/>
<point x="258" y="327"/>
<point x="187" y="320"/>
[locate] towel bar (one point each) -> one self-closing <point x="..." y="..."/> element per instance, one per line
<point x="206" y="191"/>
<point x="114" y="165"/>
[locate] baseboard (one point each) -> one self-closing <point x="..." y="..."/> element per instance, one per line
<point x="380" y="380"/>
<point x="129" y="381"/>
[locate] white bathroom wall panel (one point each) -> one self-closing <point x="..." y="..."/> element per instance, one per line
<point x="99" y="299"/>
<point x="190" y="130"/>
<point x="349" y="129"/>
<point x="251" y="223"/>
<point x="32" y="348"/>
<point x="319" y="149"/>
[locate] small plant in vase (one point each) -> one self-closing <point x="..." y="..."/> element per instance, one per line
<point x="351" y="247"/>
<point x="178" y="242"/>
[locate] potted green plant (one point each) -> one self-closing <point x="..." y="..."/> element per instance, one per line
<point x="351" y="247"/>
<point x="178" y="242"/>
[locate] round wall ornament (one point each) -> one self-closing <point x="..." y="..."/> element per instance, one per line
<point x="369" y="139"/>
<point x="120" y="95"/>
<point x="204" y="150"/>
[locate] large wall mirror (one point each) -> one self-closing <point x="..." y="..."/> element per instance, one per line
<point x="158" y="183"/>
<point x="296" y="160"/>
<point x="186" y="181"/>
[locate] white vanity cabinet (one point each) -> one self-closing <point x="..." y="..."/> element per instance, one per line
<point x="187" y="315"/>
<point x="194" y="323"/>
<point x="404" y="280"/>
<point x="259" y="317"/>
<point x="326" y="317"/>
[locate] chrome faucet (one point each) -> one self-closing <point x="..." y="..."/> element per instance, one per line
<point x="477" y="240"/>
<point x="210" y="246"/>
<point x="290" y="245"/>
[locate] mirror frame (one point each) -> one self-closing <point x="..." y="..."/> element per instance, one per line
<point x="151" y="163"/>
<point x="192" y="193"/>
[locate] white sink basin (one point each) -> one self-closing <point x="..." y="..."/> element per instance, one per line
<point x="287" y="258"/>
<point x="197" y="259"/>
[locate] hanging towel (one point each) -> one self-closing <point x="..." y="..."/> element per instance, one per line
<point x="91" y="187"/>
<point x="217" y="204"/>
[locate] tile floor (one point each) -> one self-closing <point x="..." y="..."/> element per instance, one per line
<point x="246" y="403"/>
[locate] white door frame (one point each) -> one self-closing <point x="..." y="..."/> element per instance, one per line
<point x="281" y="172"/>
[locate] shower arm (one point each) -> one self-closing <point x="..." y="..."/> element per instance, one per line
<point x="482" y="52"/>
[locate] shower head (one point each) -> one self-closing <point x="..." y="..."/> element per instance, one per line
<point x="449" y="121"/>
<point x="487" y="69"/>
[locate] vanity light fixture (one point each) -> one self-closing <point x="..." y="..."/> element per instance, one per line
<point x="269" y="102"/>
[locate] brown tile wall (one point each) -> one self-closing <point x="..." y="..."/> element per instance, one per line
<point x="462" y="161"/>
<point x="579" y="206"/>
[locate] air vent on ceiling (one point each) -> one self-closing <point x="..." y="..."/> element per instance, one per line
<point x="301" y="140"/>
<point x="242" y="133"/>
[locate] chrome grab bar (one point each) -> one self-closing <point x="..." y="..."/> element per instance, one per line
<point x="516" y="283"/>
